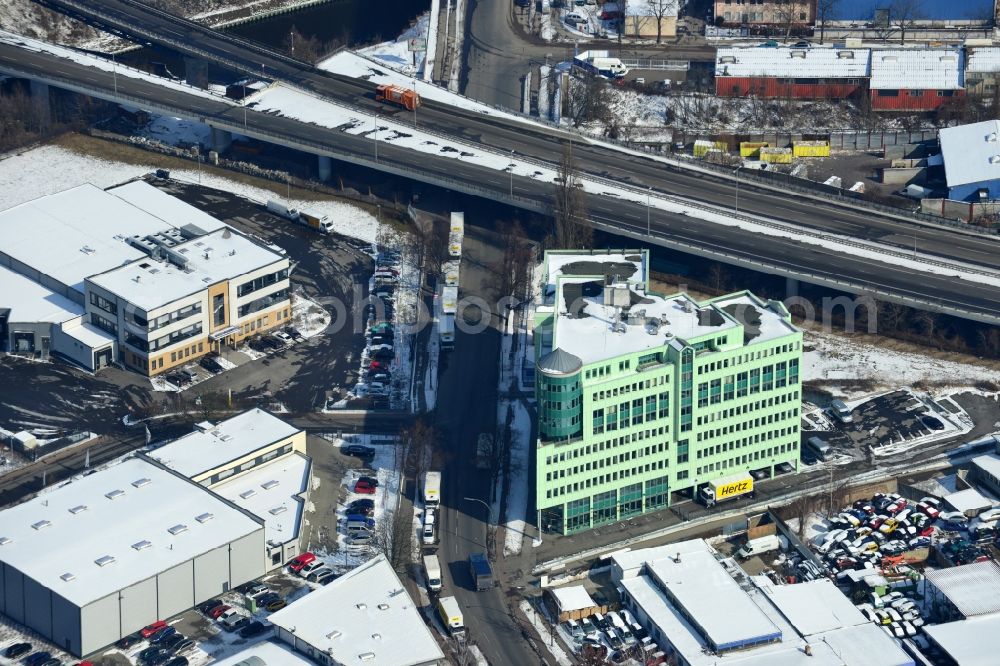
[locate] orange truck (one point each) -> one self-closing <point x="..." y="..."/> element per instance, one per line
<point x="404" y="97"/>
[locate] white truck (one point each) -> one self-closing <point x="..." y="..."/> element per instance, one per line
<point x="449" y="300"/>
<point x="432" y="568"/>
<point x="446" y="331"/>
<point x="726" y="488"/>
<point x="432" y="490"/>
<point x="764" y="544"/>
<point x="451" y="615"/>
<point x="320" y="223"/>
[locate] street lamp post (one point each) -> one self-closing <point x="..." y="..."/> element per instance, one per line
<point x="489" y="519"/>
<point x="649" y="196"/>
<point x="512" y="174"/>
<point x="244" y="105"/>
<point x="416" y="97"/>
<point x="114" y="67"/>
<point x="376" y="136"/>
<point x="736" y="207"/>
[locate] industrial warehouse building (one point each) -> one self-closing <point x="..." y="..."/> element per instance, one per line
<point x="641" y="396"/>
<point x="364" y="617"/>
<point x="893" y="79"/>
<point x="704" y="610"/>
<point x="98" y="558"/>
<point x="971" y="156"/>
<point x="256" y="461"/>
<point x="134" y="276"/>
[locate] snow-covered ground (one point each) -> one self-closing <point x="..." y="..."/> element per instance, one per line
<point x="308" y="317"/>
<point x="48" y="169"/>
<point x="395" y="53"/>
<point x="831" y="359"/>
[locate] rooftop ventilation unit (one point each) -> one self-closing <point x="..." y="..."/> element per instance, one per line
<point x="367" y="656"/>
<point x="797" y="54"/>
<point x="334" y="634"/>
<point x="142" y="545"/>
<point x="139" y="483"/>
<point x="115" y="494"/>
<point x="376" y="637"/>
<point x="994" y="159"/>
<point x="731" y="60"/>
<point x="104" y="560"/>
<point x="991" y="137"/>
<point x="383" y="606"/>
<point x="80" y="508"/>
<point x="278" y="510"/>
<point x="5" y="540"/>
<point x="362" y="606"/>
<point x="267" y="485"/>
<point x="68" y="577"/>
<point x="178" y="529"/>
<point x="889" y="58"/>
<point x="226" y="438"/>
<point x="205" y="517"/>
<point x="845" y="55"/>
<point x="42" y="524"/>
<point x="247" y="494"/>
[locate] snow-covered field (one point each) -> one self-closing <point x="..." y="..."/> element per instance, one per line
<point x="831" y="359"/>
<point x="48" y="169"/>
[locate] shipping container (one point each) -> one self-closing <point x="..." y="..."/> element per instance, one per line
<point x="811" y="148"/>
<point x="703" y="147"/>
<point x="776" y="155"/>
<point x="770" y="87"/>
<point x="752" y="148"/>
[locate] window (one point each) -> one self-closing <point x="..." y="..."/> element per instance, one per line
<point x="262" y="303"/>
<point x="218" y="309"/>
<point x="915" y="93"/>
<point x="261" y="282"/>
<point x="102" y="323"/>
<point x="888" y="93"/>
<point x="103" y="303"/>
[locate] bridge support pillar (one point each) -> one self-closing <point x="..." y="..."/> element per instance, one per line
<point x="325" y="167"/>
<point x="221" y="140"/>
<point x="791" y="287"/>
<point x="41" y="103"/>
<point x="196" y="72"/>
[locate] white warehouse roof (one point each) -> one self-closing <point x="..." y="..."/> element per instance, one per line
<point x="811" y="63"/>
<point x="85" y="230"/>
<point x="917" y="69"/>
<point x="178" y="213"/>
<point x="989" y="463"/>
<point x="571" y="598"/>
<point x="271" y="493"/>
<point x="364" y="617"/>
<point x="971" y="152"/>
<point x="814" y="607"/>
<point x="31" y="302"/>
<point x="100" y="533"/>
<point x="967" y="641"/>
<point x="983" y="59"/>
<point x="974" y="588"/>
<point x="265" y="654"/>
<point x="221" y="255"/>
<point x="212" y="446"/>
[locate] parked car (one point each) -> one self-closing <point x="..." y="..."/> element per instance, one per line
<point x="314" y="576"/>
<point x="359" y="539"/>
<point x="299" y="561"/>
<point x="932" y="422"/>
<point x="256" y="591"/>
<point x="327" y="578"/>
<point x="235" y="622"/>
<point x="151" y="629"/>
<point x="17" y="650"/>
<point x="149" y="653"/>
<point x="255" y="628"/>
<point x="162" y="635"/>
<point x="206" y="606"/>
<point x="370" y="480"/>
<point x="177" y="661"/>
<point x="185" y="645"/>
<point x="217" y="612"/>
<point x="364" y="488"/>
<point x="210" y="364"/>
<point x="361" y="506"/>
<point x="358" y="451"/>
<point x="171" y="642"/>
<point x="315" y="565"/>
<point x="275" y="605"/>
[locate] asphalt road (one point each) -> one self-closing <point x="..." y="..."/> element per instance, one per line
<point x="468" y="390"/>
<point x="777" y="254"/>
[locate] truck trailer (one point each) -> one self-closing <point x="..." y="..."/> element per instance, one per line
<point x="398" y="95"/>
<point x="432" y="489"/>
<point x="446" y="330"/>
<point x="320" y="223"/>
<point x="726" y="488"/>
<point x="451" y="615"/>
<point x="482" y="572"/>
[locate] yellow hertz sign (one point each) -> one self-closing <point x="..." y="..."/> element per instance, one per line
<point x="734" y="488"/>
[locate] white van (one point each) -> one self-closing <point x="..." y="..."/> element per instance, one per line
<point x="840" y="409"/>
<point x="428" y="534"/>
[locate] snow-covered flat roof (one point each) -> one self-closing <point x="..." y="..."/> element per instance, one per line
<point x="179" y="214"/>
<point x="917" y="69"/>
<point x="221" y="255"/>
<point x="723" y="612"/>
<point x="102" y="532"/>
<point x="795" y="63"/>
<point x="85" y="230"/>
<point x="973" y="588"/>
<point x="969" y="499"/>
<point x="211" y="445"/>
<point x="88" y="335"/>
<point x="971" y="152"/>
<point x="364" y="612"/>
<point x="629" y="267"/>
<point x="271" y="493"/>
<point x="982" y="59"/>
<point x="630" y="561"/>
<point x="864" y="644"/>
<point x="574" y="597"/>
<point x="966" y="641"/>
<point x="269" y="654"/>
<point x="813" y="607"/>
<point x="30" y="302"/>
<point x="761" y="320"/>
<point x="989" y="463"/>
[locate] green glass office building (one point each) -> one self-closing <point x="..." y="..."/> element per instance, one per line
<point x="642" y="396"/>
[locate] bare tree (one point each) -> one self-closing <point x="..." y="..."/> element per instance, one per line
<point x="419" y="443"/>
<point x="903" y="14"/>
<point x="825" y="9"/>
<point x="789" y="13"/>
<point x="659" y="9"/>
<point x="572" y="226"/>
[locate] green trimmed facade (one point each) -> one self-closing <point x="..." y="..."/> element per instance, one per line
<point x="620" y="432"/>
